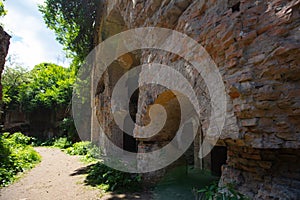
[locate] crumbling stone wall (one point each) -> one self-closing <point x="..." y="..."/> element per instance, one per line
<point x="264" y="173"/>
<point x="42" y="123"/>
<point x="4" y="44"/>
<point x="256" y="46"/>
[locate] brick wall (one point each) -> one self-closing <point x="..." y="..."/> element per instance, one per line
<point x="256" y="46"/>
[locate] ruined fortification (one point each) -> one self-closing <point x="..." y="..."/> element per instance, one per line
<point x="256" y="47"/>
<point x="4" y="44"/>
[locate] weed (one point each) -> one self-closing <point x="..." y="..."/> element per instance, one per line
<point x="213" y="191"/>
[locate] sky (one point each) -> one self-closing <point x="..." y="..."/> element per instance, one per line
<point x="32" y="42"/>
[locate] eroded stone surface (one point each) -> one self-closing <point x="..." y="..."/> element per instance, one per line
<point x="256" y="46"/>
<point x="4" y="44"/>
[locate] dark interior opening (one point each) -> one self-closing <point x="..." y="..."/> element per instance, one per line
<point x="129" y="142"/>
<point x="236" y="7"/>
<point x="218" y="158"/>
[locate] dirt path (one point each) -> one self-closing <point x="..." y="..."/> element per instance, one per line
<point x="53" y="179"/>
<point x="59" y="177"/>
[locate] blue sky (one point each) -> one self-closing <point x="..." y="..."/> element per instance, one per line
<point x="32" y="42"/>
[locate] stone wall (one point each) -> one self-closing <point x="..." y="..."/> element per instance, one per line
<point x="256" y="46"/>
<point x="4" y="44"/>
<point x="264" y="173"/>
<point x="42" y="123"/>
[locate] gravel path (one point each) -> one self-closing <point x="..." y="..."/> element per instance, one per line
<point x="54" y="178"/>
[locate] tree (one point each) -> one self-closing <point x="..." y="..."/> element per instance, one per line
<point x="13" y="81"/>
<point x="74" y="23"/>
<point x="2" y="10"/>
<point x="46" y="86"/>
<point x="49" y="86"/>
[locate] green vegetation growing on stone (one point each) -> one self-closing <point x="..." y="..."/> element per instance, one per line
<point x="16" y="155"/>
<point x="213" y="191"/>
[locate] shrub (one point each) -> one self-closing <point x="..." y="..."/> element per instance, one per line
<point x="15" y="156"/>
<point x="110" y="179"/>
<point x="62" y="143"/>
<point x="90" y="152"/>
<point x="99" y="174"/>
<point x="44" y="143"/>
<point x="79" y="148"/>
<point x="19" y="138"/>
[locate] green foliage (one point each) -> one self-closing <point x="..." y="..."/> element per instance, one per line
<point x="110" y="179"/>
<point x="2" y="10"/>
<point x="213" y="192"/>
<point x="13" y="81"/>
<point x="67" y="126"/>
<point x="15" y="156"/>
<point x="90" y="152"/>
<point x="99" y="174"/>
<point x="49" y="86"/>
<point x="19" y="138"/>
<point x="94" y="154"/>
<point x="42" y="143"/>
<point x="79" y="148"/>
<point x="62" y="143"/>
<point x="73" y="22"/>
<point x="46" y="86"/>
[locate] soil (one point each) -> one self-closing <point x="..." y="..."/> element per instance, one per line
<point x="57" y="178"/>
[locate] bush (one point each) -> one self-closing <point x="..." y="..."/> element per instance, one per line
<point x="15" y="156"/>
<point x="99" y="174"/>
<point x="19" y="138"/>
<point x="79" y="148"/>
<point x="110" y="179"/>
<point x="42" y="143"/>
<point x="62" y="143"/>
<point x="91" y="153"/>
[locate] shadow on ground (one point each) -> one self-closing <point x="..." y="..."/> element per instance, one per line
<point x="180" y="183"/>
<point x="94" y="172"/>
<point x="82" y="170"/>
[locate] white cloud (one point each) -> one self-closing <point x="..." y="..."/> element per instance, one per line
<point x="32" y="42"/>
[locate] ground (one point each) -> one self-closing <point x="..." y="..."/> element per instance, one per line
<point x="57" y="177"/>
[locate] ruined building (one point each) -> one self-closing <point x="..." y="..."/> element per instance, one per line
<point x="255" y="45"/>
<point x="4" y="44"/>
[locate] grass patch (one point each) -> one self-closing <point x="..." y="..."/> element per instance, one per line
<point x="16" y="155"/>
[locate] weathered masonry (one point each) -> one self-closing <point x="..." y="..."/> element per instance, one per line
<point x="4" y="44"/>
<point x="256" y="46"/>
